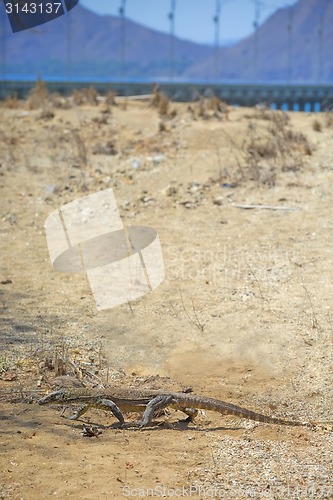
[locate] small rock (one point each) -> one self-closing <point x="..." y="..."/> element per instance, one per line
<point x="187" y="204"/>
<point x="171" y="191"/>
<point x="218" y="200"/>
<point x="49" y="189"/>
<point x="9" y="376"/>
<point x="136" y="164"/>
<point x="158" y="159"/>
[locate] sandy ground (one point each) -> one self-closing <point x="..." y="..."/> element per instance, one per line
<point x="244" y="314"/>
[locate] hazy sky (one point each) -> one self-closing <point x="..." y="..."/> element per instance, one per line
<point x="193" y="18"/>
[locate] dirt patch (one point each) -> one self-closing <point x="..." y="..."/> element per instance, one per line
<point x="244" y="314"/>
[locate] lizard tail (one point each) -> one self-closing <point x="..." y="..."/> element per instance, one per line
<point x="229" y="409"/>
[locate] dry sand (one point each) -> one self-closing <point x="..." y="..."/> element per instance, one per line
<point x="244" y="314"/>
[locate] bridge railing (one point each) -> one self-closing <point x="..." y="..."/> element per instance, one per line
<point x="299" y="97"/>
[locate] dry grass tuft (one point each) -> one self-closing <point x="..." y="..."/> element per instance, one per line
<point x="38" y="95"/>
<point x="11" y="102"/>
<point x="46" y="114"/>
<point x="82" y="157"/>
<point x="162" y="126"/>
<point x="163" y="106"/>
<point x="210" y="107"/>
<point x="160" y="101"/>
<point x="329" y="119"/>
<point x="272" y="149"/>
<point x="85" y="96"/>
<point x="298" y="141"/>
<point x="317" y="126"/>
<point x="111" y="98"/>
<point x="268" y="114"/>
<point x="57" y="100"/>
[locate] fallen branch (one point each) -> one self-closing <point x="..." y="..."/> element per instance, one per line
<point x="262" y="207"/>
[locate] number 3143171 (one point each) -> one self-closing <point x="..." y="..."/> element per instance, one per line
<point x="32" y="7"/>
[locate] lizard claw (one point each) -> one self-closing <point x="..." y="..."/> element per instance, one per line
<point x="127" y="425"/>
<point x="139" y="424"/>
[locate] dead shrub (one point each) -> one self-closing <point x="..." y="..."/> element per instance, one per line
<point x="299" y="141"/>
<point x="155" y="97"/>
<point x="163" y="106"/>
<point x="46" y="114"/>
<point x="212" y="107"/>
<point x="272" y="149"/>
<point x="85" y="96"/>
<point x="216" y="104"/>
<point x="82" y="157"/>
<point x="279" y="118"/>
<point x="106" y="109"/>
<point x="329" y="119"/>
<point x="263" y="148"/>
<point x="191" y="112"/>
<point x="160" y="101"/>
<point x="264" y="112"/>
<point x="213" y="103"/>
<point x="101" y="120"/>
<point x="201" y="108"/>
<point x="11" y="102"/>
<point x="316" y="125"/>
<point x="162" y="126"/>
<point x="38" y="95"/>
<point x="111" y="98"/>
<point x="57" y="100"/>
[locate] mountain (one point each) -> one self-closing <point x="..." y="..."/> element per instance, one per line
<point x="294" y="43"/>
<point x="91" y="45"/>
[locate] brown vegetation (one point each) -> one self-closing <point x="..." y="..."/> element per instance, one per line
<point x="248" y="287"/>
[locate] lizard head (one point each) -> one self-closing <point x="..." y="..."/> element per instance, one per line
<point x="53" y="397"/>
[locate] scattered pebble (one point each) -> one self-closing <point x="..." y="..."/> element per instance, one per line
<point x="218" y="200"/>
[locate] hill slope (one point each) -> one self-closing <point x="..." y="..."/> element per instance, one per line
<point x="293" y="43"/>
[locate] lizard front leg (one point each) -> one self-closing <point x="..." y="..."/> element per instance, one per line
<point x="103" y="404"/>
<point x="79" y="412"/>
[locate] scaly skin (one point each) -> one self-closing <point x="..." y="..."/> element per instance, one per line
<point x="120" y="401"/>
